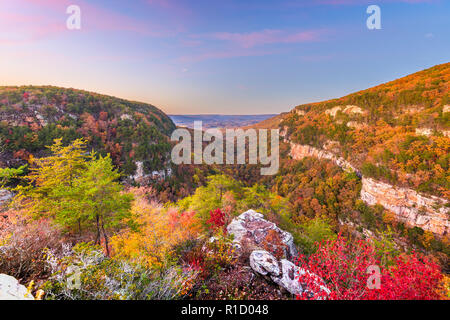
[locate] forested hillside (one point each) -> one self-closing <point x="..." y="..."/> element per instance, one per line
<point x="398" y="132"/>
<point x="32" y="117"/>
<point x="392" y="144"/>
<point x="311" y="231"/>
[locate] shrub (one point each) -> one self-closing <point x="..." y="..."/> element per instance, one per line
<point x="412" y="277"/>
<point x="314" y="231"/>
<point x="342" y="266"/>
<point x="160" y="231"/>
<point x="217" y="219"/>
<point x="21" y="246"/>
<point x="211" y="256"/>
<point x="84" y="272"/>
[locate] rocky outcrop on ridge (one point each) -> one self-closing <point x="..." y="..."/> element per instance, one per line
<point x="250" y="229"/>
<point x="426" y="212"/>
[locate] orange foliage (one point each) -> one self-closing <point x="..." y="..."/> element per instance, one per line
<point x="160" y="229"/>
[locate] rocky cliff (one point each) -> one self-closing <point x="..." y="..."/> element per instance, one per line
<point x="410" y="207"/>
<point x="299" y="151"/>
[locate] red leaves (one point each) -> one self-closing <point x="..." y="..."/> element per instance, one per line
<point x="217" y="219"/>
<point x="343" y="267"/>
<point x="412" y="278"/>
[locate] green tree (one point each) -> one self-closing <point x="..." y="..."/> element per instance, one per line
<point x="51" y="177"/>
<point x="8" y="174"/>
<point x="100" y="198"/>
<point x="209" y="197"/>
<point x="76" y="189"/>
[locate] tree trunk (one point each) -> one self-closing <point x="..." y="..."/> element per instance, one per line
<point x="97" y="237"/>
<point x="105" y="236"/>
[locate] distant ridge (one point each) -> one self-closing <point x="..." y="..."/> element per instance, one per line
<point x="219" y="120"/>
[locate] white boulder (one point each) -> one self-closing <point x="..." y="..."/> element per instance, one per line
<point x="252" y="228"/>
<point x="5" y="196"/>
<point x="264" y="263"/>
<point x="11" y="289"/>
<point x="283" y="272"/>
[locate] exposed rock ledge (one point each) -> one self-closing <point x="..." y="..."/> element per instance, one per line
<point x="5" y="196"/>
<point x="299" y="151"/>
<point x="283" y="272"/>
<point x="252" y="230"/>
<point x="428" y="213"/>
<point x="10" y="289"/>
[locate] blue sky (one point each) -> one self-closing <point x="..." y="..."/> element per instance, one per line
<point x="230" y="57"/>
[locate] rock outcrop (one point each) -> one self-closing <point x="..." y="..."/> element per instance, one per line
<point x="5" y="196"/>
<point x="300" y="151"/>
<point x="410" y="207"/>
<point x="143" y="178"/>
<point x="428" y="213"/>
<point x="349" y="109"/>
<point x="11" y="289"/>
<point x="283" y="272"/>
<point x="424" y="132"/>
<point x="252" y="230"/>
<point x="446" y="108"/>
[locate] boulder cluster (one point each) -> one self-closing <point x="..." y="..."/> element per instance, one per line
<point x="266" y="241"/>
<point x="270" y="251"/>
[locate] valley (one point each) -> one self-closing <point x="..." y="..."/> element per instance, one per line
<point x="219" y="120"/>
<point x="88" y="184"/>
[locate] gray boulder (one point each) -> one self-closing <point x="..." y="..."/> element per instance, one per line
<point x="264" y="263"/>
<point x="5" y="196"/>
<point x="251" y="228"/>
<point x="283" y="272"/>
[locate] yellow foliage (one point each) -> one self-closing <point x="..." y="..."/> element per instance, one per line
<point x="427" y="239"/>
<point x="160" y="230"/>
<point x="444" y="288"/>
<point x="389" y="217"/>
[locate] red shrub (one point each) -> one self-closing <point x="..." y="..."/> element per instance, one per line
<point x="411" y="278"/>
<point x="217" y="219"/>
<point x="343" y="267"/>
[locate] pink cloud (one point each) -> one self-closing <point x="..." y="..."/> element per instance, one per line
<point x="27" y="27"/>
<point x="252" y="39"/>
<point x="33" y="20"/>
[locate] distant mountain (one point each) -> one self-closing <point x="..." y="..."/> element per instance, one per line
<point x="218" y="120"/>
<point x="32" y="116"/>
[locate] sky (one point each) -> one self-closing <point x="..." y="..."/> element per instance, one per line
<point x="220" y="57"/>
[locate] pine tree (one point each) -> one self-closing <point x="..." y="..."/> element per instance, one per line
<point x="77" y="190"/>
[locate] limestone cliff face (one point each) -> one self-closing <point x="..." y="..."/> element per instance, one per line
<point x="299" y="151"/>
<point x="410" y="207"/>
<point x="428" y="213"/>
